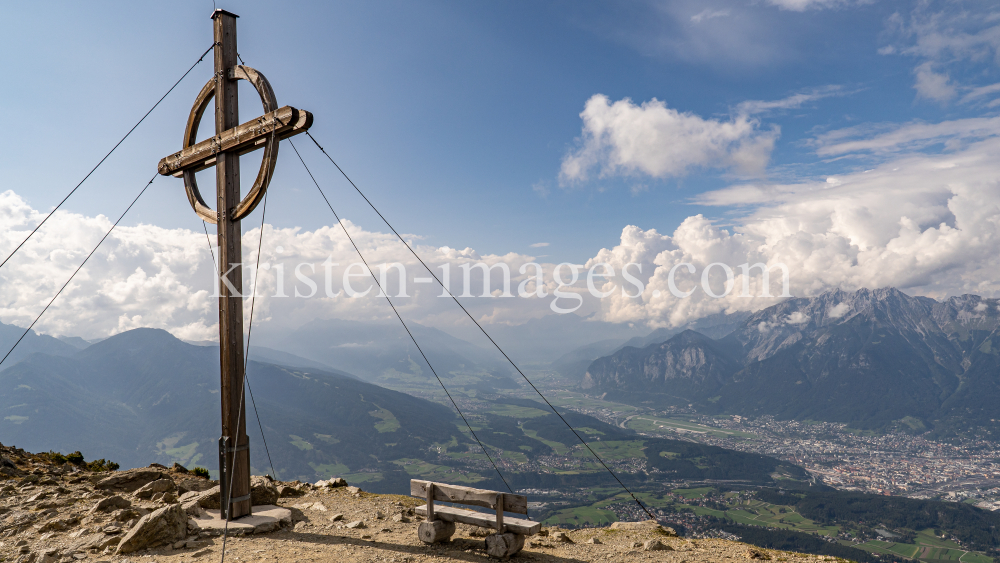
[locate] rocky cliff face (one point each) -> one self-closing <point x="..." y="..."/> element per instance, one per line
<point x="869" y="357"/>
<point x="687" y="362"/>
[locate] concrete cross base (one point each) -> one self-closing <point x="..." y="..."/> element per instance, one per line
<point x="266" y="518"/>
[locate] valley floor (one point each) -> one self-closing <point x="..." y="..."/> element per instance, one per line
<point x="844" y="458"/>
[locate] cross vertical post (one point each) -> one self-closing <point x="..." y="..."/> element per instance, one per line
<point x="231" y="140"/>
<point x="234" y="443"/>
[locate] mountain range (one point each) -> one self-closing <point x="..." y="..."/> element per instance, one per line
<point x="574" y="364"/>
<point x="870" y="358"/>
<point x="143" y="395"/>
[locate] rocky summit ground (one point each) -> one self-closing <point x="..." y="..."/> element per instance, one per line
<point x="55" y="511"/>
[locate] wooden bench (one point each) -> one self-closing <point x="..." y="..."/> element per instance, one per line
<point x="440" y="524"/>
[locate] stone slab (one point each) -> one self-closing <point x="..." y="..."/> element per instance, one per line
<point x="265" y="518"/>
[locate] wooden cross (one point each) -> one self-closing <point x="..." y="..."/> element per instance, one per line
<point x="223" y="151"/>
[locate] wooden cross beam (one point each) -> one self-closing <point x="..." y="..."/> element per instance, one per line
<point x="223" y="151"/>
<point x="248" y="137"/>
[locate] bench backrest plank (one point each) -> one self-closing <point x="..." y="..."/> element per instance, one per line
<point x="443" y="492"/>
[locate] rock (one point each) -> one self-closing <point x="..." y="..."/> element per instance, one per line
<point x="131" y="480"/>
<point x="644" y="526"/>
<point x="188" y="496"/>
<point x="190" y="483"/>
<point x="477" y="532"/>
<point x="168" y="498"/>
<point x="435" y="531"/>
<point x="107" y="542"/>
<point x="336" y="517"/>
<point x="753" y="553"/>
<point x="401" y="518"/>
<point x="543" y="533"/>
<point x="286" y="491"/>
<point x="357" y="524"/>
<point x="504" y="545"/>
<point x="354" y="490"/>
<point x="114" y="502"/>
<point x="262" y="491"/>
<point x="59" y="524"/>
<point x="178" y="468"/>
<point x="379" y="515"/>
<point x="656" y="545"/>
<point x="561" y="537"/>
<point x="319" y="506"/>
<point x="297" y="515"/>
<point x="294" y="489"/>
<point x="165" y="525"/>
<point x="126" y="514"/>
<point x="595" y="541"/>
<point x="209" y="498"/>
<point x="8" y="468"/>
<point x="332" y="483"/>
<point x="193" y="509"/>
<point x="157" y="487"/>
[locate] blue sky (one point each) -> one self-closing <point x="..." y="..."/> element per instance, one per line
<point x="447" y="113"/>
<point x="461" y="120"/>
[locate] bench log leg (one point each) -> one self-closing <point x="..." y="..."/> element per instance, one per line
<point x="504" y="545"/>
<point x="435" y="531"/>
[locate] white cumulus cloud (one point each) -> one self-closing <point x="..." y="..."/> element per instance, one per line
<point x="927" y="224"/>
<point x="148" y="276"/>
<point x="651" y="139"/>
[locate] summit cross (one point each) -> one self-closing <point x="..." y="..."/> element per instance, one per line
<point x="232" y="139"/>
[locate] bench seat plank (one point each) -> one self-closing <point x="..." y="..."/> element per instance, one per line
<point x="452" y="514"/>
<point x="443" y="492"/>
